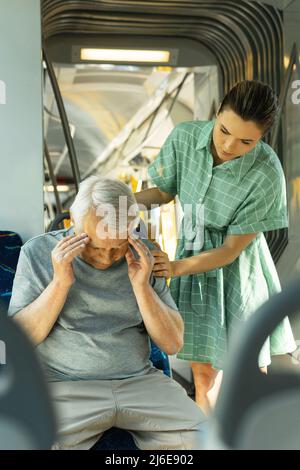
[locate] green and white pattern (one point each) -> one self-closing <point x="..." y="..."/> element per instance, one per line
<point x="241" y="196"/>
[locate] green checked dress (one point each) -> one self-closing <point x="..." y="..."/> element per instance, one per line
<point x="241" y="196"/>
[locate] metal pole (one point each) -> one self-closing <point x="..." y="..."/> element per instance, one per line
<point x="64" y="120"/>
<point x="53" y="179"/>
<point x="284" y="92"/>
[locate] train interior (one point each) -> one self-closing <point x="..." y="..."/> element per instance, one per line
<point x="71" y="113"/>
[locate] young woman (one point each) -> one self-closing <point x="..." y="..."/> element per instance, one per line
<point x="235" y="186"/>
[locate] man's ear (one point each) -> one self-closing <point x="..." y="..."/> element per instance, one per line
<point x="73" y="225"/>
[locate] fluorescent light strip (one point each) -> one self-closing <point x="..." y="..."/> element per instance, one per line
<point x="60" y="188"/>
<point x="123" y="55"/>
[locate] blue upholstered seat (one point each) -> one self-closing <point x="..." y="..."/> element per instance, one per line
<point x="10" y="245"/>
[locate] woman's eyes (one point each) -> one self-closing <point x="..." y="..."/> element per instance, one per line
<point x="226" y="133"/>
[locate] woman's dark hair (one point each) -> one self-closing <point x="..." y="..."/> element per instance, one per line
<point x="253" y="101"/>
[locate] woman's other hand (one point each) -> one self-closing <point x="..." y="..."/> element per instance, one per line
<point x="162" y="265"/>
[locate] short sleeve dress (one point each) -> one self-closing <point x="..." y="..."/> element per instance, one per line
<point x="241" y="196"/>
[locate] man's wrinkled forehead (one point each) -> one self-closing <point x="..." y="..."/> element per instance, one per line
<point x="98" y="230"/>
<point x="107" y="243"/>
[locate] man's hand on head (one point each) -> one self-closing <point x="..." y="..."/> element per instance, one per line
<point x="62" y="256"/>
<point x="139" y="270"/>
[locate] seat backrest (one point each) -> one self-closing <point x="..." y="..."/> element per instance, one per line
<point x="273" y="423"/>
<point x="10" y="245"/>
<point x="26" y="416"/>
<point x="247" y="396"/>
<point x="59" y="221"/>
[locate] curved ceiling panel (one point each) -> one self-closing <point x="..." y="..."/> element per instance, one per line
<point x="245" y="37"/>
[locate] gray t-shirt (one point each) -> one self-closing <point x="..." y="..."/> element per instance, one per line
<point x="99" y="333"/>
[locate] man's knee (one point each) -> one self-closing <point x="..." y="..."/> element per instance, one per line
<point x="193" y="439"/>
<point x="188" y="439"/>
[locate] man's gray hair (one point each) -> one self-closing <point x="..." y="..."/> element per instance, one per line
<point x="111" y="199"/>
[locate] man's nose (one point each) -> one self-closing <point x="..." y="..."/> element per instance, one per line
<point x="107" y="257"/>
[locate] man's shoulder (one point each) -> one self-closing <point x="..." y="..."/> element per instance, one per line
<point x="43" y="243"/>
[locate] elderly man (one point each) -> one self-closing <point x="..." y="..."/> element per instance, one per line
<point x="89" y="303"/>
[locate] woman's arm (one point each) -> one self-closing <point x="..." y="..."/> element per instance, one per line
<point x="212" y="259"/>
<point x="153" y="196"/>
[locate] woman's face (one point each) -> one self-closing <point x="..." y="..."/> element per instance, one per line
<point x="233" y="137"/>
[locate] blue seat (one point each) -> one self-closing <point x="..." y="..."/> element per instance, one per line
<point x="10" y="245"/>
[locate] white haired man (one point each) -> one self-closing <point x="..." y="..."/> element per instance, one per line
<point x="88" y="301"/>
